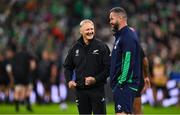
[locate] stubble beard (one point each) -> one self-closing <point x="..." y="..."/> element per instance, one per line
<point x="115" y="28"/>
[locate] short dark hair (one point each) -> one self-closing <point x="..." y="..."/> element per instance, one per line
<point x="119" y="10"/>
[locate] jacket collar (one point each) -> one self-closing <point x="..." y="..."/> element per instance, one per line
<point x="118" y="33"/>
<point x="81" y="41"/>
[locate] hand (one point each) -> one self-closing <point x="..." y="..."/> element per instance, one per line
<point x="147" y="84"/>
<point x="33" y="65"/>
<point x="72" y="84"/>
<point x="90" y="80"/>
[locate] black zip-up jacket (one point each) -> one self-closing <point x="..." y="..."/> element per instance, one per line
<point x="87" y="60"/>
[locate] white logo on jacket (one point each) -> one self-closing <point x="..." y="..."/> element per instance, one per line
<point x="77" y="52"/>
<point x="119" y="107"/>
<point x="96" y="52"/>
<point x="103" y="99"/>
<point x="116" y="43"/>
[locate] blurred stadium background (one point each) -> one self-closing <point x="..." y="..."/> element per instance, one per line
<point x="51" y="26"/>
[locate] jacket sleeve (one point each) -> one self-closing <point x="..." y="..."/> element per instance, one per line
<point x="69" y="66"/>
<point x="127" y="62"/>
<point x="102" y="76"/>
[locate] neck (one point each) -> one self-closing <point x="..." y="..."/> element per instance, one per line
<point x="122" y="26"/>
<point x="86" y="41"/>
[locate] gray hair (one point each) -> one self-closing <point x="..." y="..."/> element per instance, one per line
<point x="85" y="21"/>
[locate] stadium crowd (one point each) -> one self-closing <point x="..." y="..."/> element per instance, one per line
<point x="46" y="29"/>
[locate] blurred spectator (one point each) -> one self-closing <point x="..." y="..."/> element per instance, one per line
<point x="44" y="74"/>
<point x="58" y="81"/>
<point x="5" y="80"/>
<point x="159" y="79"/>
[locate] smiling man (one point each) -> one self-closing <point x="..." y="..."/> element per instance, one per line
<point x="125" y="62"/>
<point x="88" y="60"/>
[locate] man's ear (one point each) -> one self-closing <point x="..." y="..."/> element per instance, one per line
<point x="80" y="30"/>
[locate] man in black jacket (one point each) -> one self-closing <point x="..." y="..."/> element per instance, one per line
<point x="88" y="60"/>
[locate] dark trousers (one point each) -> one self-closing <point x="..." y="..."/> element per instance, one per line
<point x="91" y="101"/>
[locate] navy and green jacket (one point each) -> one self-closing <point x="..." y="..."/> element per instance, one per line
<point x="125" y="59"/>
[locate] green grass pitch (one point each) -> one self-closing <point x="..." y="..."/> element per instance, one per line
<point x="72" y="109"/>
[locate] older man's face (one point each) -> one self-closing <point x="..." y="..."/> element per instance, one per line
<point x="87" y="31"/>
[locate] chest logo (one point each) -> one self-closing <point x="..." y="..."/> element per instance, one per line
<point x="96" y="52"/>
<point x="77" y="52"/>
<point x="119" y="107"/>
